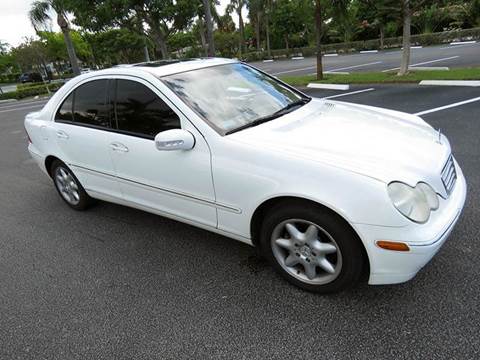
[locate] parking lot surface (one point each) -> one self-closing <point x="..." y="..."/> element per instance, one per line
<point x="466" y="55"/>
<point x="118" y="283"/>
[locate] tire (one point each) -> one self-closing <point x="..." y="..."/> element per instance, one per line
<point x="320" y="253"/>
<point x="68" y="186"/>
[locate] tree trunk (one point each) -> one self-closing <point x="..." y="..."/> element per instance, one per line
<point x="406" y="38"/>
<point x="241" y="29"/>
<point x="257" y="29"/>
<point x="267" y="35"/>
<point x="318" y="38"/>
<point x="63" y="24"/>
<point x="160" y="41"/>
<point x="285" y="38"/>
<point x="145" y="52"/>
<point x="203" y="39"/>
<point x="208" y="20"/>
<point x="382" y="36"/>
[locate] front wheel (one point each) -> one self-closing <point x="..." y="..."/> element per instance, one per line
<point x="312" y="247"/>
<point x="68" y="186"/>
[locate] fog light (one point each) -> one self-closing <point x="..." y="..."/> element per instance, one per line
<point x="392" y="245"/>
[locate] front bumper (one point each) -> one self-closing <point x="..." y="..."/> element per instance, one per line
<point x="424" y="240"/>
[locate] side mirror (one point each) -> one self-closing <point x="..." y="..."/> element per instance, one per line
<point x="176" y="139"/>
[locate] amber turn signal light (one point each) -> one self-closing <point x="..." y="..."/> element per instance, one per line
<point x="391" y="245"/>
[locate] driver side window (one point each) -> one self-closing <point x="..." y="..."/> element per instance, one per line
<point x="139" y="111"/>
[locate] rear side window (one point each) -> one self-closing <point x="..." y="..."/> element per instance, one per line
<point x="89" y="105"/>
<point x="139" y="110"/>
<point x="65" y="112"/>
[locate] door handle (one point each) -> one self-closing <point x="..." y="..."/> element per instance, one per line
<point x="62" y="134"/>
<point x="118" y="147"/>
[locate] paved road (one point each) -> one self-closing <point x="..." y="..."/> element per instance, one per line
<point x="466" y="55"/>
<point x="117" y="283"/>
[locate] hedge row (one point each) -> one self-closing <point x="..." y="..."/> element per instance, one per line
<point x="9" y="78"/>
<point x="374" y="44"/>
<point x="27" y="91"/>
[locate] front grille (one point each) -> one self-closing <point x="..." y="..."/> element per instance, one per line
<point x="449" y="175"/>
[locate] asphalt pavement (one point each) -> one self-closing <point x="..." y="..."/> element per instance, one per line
<point x="118" y="283"/>
<point x="466" y="55"/>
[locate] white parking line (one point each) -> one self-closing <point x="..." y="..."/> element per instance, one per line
<point x="368" y="51"/>
<point x="426" y="62"/>
<point x="289" y="71"/>
<point x="448" y="106"/>
<point x="22" y="108"/>
<point x="349" y="93"/>
<point x="350" y="67"/>
<point x="14" y="104"/>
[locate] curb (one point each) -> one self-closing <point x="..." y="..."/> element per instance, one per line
<point x="450" y="82"/>
<point x="329" y="86"/>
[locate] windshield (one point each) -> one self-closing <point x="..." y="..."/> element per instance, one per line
<point x="233" y="96"/>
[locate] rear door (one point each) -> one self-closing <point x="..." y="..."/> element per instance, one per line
<point x="83" y="132"/>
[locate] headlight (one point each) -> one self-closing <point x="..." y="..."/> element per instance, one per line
<point x="415" y="203"/>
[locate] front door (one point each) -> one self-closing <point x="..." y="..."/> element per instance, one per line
<point x="176" y="183"/>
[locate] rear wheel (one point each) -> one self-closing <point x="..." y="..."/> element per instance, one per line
<point x="312" y="247"/>
<point x="68" y="186"/>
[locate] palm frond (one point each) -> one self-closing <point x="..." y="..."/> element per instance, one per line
<point x="39" y="14"/>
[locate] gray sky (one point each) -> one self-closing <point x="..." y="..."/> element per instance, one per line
<point x="14" y="23"/>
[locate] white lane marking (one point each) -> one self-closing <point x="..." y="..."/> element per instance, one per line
<point x="22" y="108"/>
<point x="289" y="71"/>
<point x="426" y="62"/>
<point x="268" y="60"/>
<point x="298" y="58"/>
<point x="21" y="103"/>
<point x="368" y="51"/>
<point x="451" y="82"/>
<point x="447" y="106"/>
<point x="332" y="70"/>
<point x="462" y="42"/>
<point x="350" y="67"/>
<point x="328" y="86"/>
<point x="415" y="47"/>
<point x="330" y="55"/>
<point x="349" y="93"/>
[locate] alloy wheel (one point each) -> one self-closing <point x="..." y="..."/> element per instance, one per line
<point x="306" y="251"/>
<point x="67" y="185"/>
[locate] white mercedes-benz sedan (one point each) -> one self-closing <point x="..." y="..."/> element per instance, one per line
<point x="327" y="191"/>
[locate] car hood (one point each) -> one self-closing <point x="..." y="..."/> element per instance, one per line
<point x="380" y="143"/>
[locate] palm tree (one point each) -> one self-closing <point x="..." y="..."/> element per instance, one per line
<point x="209" y="23"/>
<point x="40" y="16"/>
<point x="237" y="5"/>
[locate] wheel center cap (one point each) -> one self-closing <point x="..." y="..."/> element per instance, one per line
<point x="305" y="251"/>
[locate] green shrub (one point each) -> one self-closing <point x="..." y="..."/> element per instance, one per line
<point x="9" y="78"/>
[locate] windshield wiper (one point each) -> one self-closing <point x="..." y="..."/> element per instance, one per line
<point x="276" y="114"/>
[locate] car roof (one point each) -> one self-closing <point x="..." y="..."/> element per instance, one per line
<point x="168" y="67"/>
